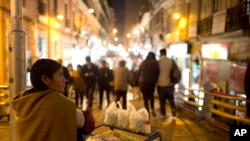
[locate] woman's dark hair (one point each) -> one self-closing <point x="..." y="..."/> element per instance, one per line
<point x="42" y="67"/>
<point x="122" y="63"/>
<point x="150" y="56"/>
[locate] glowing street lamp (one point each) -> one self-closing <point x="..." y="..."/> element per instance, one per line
<point x="128" y="35"/>
<point x="114" y="31"/>
<point x="136" y="31"/>
<point x="91" y="10"/>
<point x="59" y="17"/>
<point x="176" y="15"/>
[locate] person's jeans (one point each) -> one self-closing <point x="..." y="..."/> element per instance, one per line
<point x="147" y="91"/>
<point x="163" y="94"/>
<point x="123" y="94"/>
<point x="89" y="91"/>
<point x="101" y="91"/>
<point x="78" y="94"/>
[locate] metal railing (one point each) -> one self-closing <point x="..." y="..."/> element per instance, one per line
<point x="211" y="105"/>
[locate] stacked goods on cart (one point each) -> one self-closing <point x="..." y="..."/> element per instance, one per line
<point x="121" y="136"/>
<point x="129" y="118"/>
<point x="102" y="138"/>
<point x="111" y="135"/>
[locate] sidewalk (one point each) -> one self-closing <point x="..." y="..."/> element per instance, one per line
<point x="183" y="128"/>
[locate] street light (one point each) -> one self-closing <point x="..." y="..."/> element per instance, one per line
<point x="128" y="35"/>
<point x="59" y="17"/>
<point x="136" y="31"/>
<point x="114" y="31"/>
<point x="176" y="15"/>
<point x="91" y="10"/>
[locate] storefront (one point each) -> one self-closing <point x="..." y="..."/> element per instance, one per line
<point x="180" y="53"/>
<point x="226" y="73"/>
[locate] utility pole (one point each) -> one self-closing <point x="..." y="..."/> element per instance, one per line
<point x="17" y="59"/>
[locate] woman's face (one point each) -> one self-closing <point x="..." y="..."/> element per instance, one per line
<point x="57" y="83"/>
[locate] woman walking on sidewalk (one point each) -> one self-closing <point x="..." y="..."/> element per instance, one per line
<point x="148" y="75"/>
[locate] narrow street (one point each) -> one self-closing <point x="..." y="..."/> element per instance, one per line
<point x="183" y="128"/>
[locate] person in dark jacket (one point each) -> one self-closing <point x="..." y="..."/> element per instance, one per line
<point x="247" y="88"/>
<point x="67" y="77"/>
<point x="90" y="75"/>
<point x="148" y="75"/>
<point x="135" y="84"/>
<point x="105" y="77"/>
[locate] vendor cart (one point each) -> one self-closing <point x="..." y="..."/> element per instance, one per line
<point x="154" y="135"/>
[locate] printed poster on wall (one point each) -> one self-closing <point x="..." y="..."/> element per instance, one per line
<point x="237" y="78"/>
<point x="211" y="71"/>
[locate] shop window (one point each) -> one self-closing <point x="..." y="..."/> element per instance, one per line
<point x="41" y="7"/>
<point x="42" y="50"/>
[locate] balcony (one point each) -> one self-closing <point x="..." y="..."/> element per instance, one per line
<point x="205" y="26"/>
<point x="237" y="17"/>
<point x="67" y="23"/>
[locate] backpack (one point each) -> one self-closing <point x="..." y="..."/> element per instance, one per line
<point x="175" y="73"/>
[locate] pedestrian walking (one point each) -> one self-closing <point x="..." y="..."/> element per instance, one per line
<point x="71" y="80"/>
<point x="122" y="79"/>
<point x="90" y="75"/>
<point x="67" y="77"/>
<point x="78" y="86"/>
<point x="164" y="86"/>
<point x="148" y="75"/>
<point x="135" y="84"/>
<point x="104" y="80"/>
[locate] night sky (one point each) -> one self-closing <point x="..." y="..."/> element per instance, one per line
<point x="123" y="14"/>
<point x="119" y="10"/>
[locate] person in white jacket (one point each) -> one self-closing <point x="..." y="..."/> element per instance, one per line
<point x="164" y="86"/>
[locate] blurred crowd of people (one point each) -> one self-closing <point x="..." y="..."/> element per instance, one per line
<point x="90" y="78"/>
<point x="47" y="110"/>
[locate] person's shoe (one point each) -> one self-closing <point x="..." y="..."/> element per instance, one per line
<point x="153" y="113"/>
<point x="173" y="112"/>
<point x="163" y="116"/>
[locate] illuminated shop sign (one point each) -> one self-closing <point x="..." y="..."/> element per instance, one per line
<point x="177" y="50"/>
<point x="215" y="51"/>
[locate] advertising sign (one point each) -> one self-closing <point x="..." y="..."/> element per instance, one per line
<point x="219" y="22"/>
<point x="215" y="51"/>
<point x="237" y="78"/>
<point x="211" y="71"/>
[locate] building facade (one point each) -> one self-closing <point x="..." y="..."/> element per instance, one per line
<point x="56" y="29"/>
<point x="209" y="40"/>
